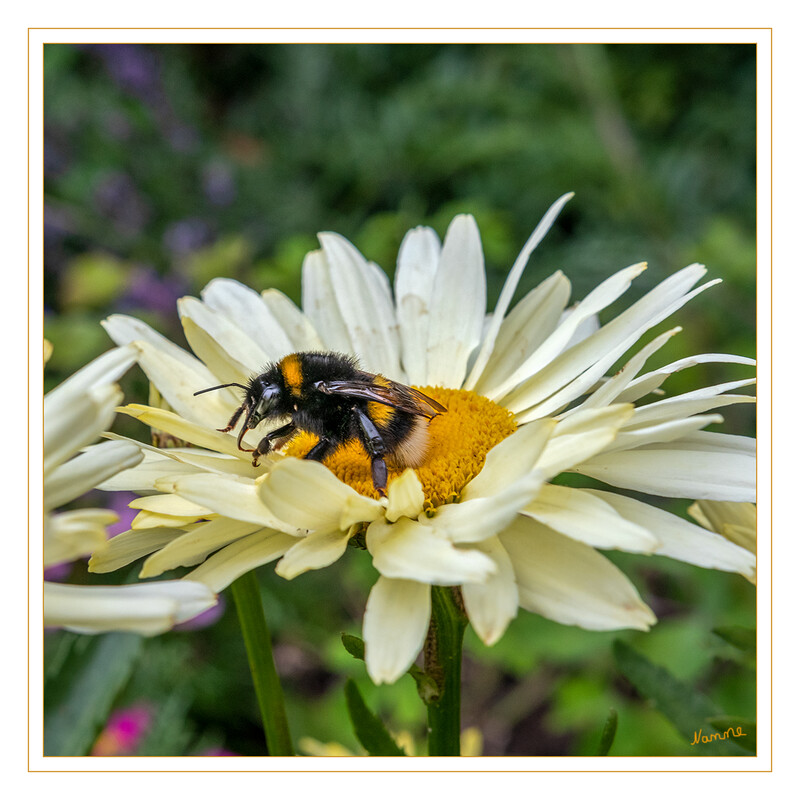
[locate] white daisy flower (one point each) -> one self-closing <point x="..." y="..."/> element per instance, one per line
<point x="528" y="398"/>
<point x="75" y="414"/>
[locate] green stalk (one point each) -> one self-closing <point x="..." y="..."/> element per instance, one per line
<point x="443" y="664"/>
<point x="247" y="596"/>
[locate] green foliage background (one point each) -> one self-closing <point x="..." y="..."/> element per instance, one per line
<point x="168" y="165"/>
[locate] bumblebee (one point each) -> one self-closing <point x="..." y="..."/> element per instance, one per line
<point x="328" y="395"/>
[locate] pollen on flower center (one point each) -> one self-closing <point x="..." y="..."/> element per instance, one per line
<point x="458" y="442"/>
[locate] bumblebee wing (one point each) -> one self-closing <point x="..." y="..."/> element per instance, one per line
<point x="388" y="392"/>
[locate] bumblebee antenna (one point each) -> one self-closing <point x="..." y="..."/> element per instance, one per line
<point x="221" y="386"/>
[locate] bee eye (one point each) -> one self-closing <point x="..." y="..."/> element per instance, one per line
<point x="266" y="402"/>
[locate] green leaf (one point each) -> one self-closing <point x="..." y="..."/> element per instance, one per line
<point x="353" y="645"/>
<point x="740" y="729"/>
<point x="687" y="709"/>
<point x="369" y="729"/>
<point x="739" y="636"/>
<point x="91" y="673"/>
<point x="608" y="734"/>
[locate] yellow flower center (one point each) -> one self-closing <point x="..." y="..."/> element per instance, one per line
<point x="458" y="442"/>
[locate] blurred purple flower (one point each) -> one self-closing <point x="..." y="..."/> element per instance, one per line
<point x="118" y="503"/>
<point x="186" y="236"/>
<point x="134" y="67"/>
<point x="219" y="184"/>
<point x="124" y="732"/>
<point x="153" y="292"/>
<point x="58" y="572"/>
<point x="217" y="751"/>
<point x="118" y="199"/>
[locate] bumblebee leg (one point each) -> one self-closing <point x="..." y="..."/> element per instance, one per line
<point x="319" y="450"/>
<point x="265" y="445"/>
<point x="233" y="420"/>
<point x="376" y="449"/>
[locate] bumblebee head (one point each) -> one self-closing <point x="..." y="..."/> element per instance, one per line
<point x="260" y="401"/>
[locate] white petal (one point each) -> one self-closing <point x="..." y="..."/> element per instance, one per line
<point x="307" y="495"/>
<point x="600" y="297"/>
<point x="72" y="534"/>
<point x="410" y="550"/>
<point x="585" y="517"/>
<point x="154" y="519"/>
<point x="104" y="370"/>
<point x="177" y="382"/>
<point x="570" y="582"/>
<point x="492" y="605"/>
<point x="614" y="386"/>
<point x="296" y="325"/>
<point x="193" y="546"/>
<point x="663" y="432"/>
<point x="125" y="330"/>
<point x="685" y="405"/>
<point x="315" y="551"/>
<point x="160" y="462"/>
<point x="146" y="608"/>
<point x="143" y="477"/>
<point x="218" y="462"/>
<point x="125" y="548"/>
<point x="587" y="327"/>
<point x="170" y="504"/>
<point x="87" y="470"/>
<point x="528" y="324"/>
<point x="75" y="424"/>
<point x="238" y="498"/>
<point x="319" y="303"/>
<point x="247" y="310"/>
<point x="226" y="565"/>
<point x="511" y="459"/>
<point x="581" y="435"/>
<point x="478" y="519"/>
<point x="417" y="262"/>
<point x="458" y="304"/>
<point x="510" y="286"/>
<point x="686" y="472"/>
<point x="395" y="625"/>
<point x="579" y="369"/>
<point x="364" y="298"/>
<point x="405" y="497"/>
<point x="177" y="425"/>
<point x="712" y="442"/>
<point x="652" y="380"/>
<point x="175" y="373"/>
<point x="681" y="539"/>
<point x="222" y="346"/>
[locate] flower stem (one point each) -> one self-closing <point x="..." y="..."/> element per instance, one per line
<point x="247" y="596"/>
<point x="443" y="663"/>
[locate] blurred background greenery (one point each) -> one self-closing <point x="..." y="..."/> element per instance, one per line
<point x="167" y="165"/>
